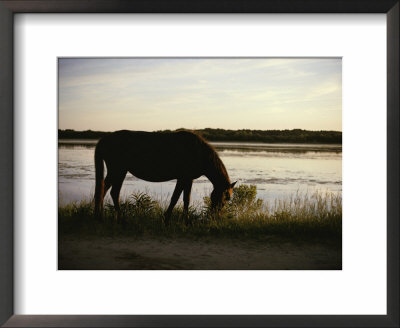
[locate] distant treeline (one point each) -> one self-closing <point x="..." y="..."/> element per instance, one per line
<point x="270" y="136"/>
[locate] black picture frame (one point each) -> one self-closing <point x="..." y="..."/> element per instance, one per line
<point x="7" y="10"/>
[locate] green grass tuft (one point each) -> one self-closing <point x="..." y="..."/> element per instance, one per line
<point x="316" y="216"/>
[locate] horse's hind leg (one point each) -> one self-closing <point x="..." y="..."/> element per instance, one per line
<point x="116" y="182"/>
<point x="107" y="184"/>
<point x="186" y="197"/>
<point x="175" y="196"/>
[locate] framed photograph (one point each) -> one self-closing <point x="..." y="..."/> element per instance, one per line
<point x="184" y="165"/>
<point x="241" y="187"/>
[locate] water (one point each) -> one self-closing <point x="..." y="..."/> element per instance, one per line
<point x="278" y="171"/>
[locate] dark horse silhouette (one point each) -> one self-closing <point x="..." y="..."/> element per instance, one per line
<point x="157" y="157"/>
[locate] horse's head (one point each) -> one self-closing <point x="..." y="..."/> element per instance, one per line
<point x="219" y="196"/>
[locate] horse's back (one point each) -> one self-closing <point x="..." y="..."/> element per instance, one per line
<point x="180" y="143"/>
<point x="155" y="156"/>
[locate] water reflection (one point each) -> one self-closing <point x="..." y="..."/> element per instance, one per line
<point x="277" y="170"/>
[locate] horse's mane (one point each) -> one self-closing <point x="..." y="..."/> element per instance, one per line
<point x="213" y="158"/>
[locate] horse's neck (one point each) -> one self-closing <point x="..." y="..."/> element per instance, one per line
<point x="217" y="178"/>
<point x="215" y="170"/>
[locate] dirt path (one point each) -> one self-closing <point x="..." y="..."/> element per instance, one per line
<point x="202" y="254"/>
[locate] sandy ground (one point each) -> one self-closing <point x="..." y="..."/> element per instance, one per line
<point x="202" y="254"/>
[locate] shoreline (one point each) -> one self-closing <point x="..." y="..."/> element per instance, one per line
<point x="242" y="135"/>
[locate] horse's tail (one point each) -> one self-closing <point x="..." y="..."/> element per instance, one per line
<point x="99" y="189"/>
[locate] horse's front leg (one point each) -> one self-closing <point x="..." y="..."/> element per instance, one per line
<point x="174" y="199"/>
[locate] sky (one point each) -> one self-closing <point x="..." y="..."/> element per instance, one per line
<point x="149" y="94"/>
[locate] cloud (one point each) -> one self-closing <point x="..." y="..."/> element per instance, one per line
<point x="212" y="89"/>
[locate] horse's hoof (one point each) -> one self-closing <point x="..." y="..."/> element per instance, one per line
<point x="166" y="221"/>
<point x="166" y="218"/>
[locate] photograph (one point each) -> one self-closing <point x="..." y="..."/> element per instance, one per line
<point x="203" y="163"/>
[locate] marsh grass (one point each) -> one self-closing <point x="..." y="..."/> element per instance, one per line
<point x="316" y="216"/>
